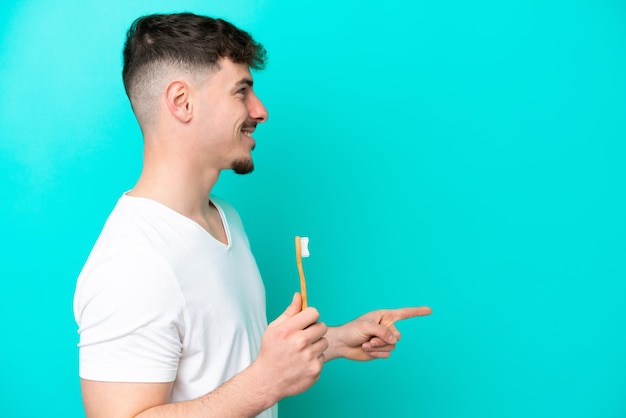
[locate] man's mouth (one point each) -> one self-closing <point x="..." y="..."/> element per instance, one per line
<point x="247" y="130"/>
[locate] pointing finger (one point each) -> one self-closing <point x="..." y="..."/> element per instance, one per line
<point x="405" y="313"/>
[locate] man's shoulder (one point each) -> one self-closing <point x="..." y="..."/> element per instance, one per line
<point x="143" y="224"/>
<point x="131" y="236"/>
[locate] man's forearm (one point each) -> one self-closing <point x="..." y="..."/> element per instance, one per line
<point x="245" y="395"/>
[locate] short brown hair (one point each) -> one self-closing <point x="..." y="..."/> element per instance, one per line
<point x="187" y="40"/>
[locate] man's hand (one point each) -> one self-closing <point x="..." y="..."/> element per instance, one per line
<point x="292" y="351"/>
<point x="370" y="336"/>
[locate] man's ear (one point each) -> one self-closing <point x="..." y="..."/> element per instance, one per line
<point x="178" y="100"/>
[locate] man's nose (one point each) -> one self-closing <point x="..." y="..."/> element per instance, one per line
<point x="257" y="110"/>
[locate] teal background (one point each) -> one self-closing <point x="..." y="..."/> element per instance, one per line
<point x="463" y="155"/>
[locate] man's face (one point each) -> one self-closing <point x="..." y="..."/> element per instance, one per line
<point x="229" y="111"/>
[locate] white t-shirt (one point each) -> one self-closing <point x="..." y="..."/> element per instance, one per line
<point x="160" y="300"/>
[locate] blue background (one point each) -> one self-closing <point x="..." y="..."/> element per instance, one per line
<point x="463" y="155"/>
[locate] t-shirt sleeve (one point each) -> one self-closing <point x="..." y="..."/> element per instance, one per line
<point x="130" y="313"/>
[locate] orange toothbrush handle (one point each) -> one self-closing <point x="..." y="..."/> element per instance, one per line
<point x="301" y="271"/>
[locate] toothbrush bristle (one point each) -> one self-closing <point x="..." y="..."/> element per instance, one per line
<point x="304" y="246"/>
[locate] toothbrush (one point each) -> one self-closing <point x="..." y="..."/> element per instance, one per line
<point x="302" y="251"/>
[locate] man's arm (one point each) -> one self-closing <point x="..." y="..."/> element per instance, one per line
<point x="370" y="336"/>
<point x="117" y="399"/>
<point x="289" y="362"/>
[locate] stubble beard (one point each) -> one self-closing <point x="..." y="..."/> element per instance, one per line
<point x="243" y="166"/>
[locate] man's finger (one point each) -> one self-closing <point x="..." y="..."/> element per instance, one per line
<point x="387" y="333"/>
<point x="405" y="313"/>
<point x="294" y="307"/>
<point x="315" y="331"/>
<point x="369" y="347"/>
<point x="376" y="343"/>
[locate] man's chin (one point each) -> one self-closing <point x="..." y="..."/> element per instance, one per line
<point x="243" y="166"/>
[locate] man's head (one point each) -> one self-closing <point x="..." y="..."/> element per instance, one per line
<point x="163" y="48"/>
<point x="157" y="45"/>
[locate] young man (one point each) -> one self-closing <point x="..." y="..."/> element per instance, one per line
<point x="170" y="303"/>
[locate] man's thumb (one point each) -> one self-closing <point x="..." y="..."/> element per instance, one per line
<point x="294" y="308"/>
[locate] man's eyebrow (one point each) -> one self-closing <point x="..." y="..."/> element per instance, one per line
<point x="245" y="80"/>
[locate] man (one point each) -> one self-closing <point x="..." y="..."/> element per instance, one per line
<point x="170" y="303"/>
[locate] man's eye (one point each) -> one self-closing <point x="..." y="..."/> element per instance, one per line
<point x="242" y="90"/>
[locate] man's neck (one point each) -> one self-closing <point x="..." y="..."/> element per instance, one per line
<point x="180" y="188"/>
